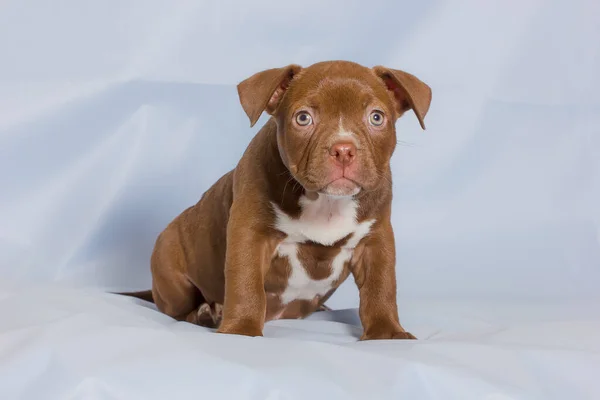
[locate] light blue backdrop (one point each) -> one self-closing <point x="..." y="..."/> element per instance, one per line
<point x="117" y="115"/>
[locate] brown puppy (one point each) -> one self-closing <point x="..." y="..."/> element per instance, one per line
<point x="308" y="204"/>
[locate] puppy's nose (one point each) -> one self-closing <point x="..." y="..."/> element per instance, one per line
<point x="343" y="153"/>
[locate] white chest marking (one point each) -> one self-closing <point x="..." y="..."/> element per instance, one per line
<point x="325" y="221"/>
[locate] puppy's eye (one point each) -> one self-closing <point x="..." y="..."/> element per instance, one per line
<point x="376" y="118"/>
<point x="303" y="118"/>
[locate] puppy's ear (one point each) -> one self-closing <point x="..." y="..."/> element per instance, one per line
<point x="263" y="91"/>
<point x="408" y="90"/>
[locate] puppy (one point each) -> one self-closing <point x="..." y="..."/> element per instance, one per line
<point x="308" y="204"/>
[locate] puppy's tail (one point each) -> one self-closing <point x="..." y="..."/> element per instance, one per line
<point x="145" y="295"/>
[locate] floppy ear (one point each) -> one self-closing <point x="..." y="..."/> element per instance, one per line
<point x="409" y="91"/>
<point x="264" y="90"/>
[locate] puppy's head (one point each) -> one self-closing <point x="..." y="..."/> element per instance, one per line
<point x="335" y="120"/>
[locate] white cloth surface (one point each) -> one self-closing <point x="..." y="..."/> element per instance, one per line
<point x="62" y="343"/>
<point x="117" y="115"/>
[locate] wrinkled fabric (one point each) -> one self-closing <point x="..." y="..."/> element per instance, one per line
<point x="64" y="343"/>
<point x="117" y="115"/>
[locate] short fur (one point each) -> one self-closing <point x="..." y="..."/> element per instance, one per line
<point x="263" y="242"/>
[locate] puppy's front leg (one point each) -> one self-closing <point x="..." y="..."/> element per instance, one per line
<point x="375" y="276"/>
<point x="246" y="262"/>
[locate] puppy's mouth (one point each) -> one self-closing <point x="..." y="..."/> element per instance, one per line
<point x="341" y="187"/>
<point x="335" y="185"/>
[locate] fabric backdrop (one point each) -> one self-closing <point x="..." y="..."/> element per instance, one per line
<point x="117" y="115"/>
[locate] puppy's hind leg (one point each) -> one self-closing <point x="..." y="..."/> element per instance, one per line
<point x="173" y="293"/>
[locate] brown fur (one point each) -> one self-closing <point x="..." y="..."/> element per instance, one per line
<point x="222" y="251"/>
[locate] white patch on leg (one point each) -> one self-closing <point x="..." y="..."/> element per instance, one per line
<point x="324" y="220"/>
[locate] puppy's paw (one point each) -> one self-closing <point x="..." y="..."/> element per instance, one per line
<point x="403" y="335"/>
<point x="385" y="331"/>
<point x="244" y="328"/>
<point x="385" y="335"/>
<point x="207" y="315"/>
<point x="218" y="312"/>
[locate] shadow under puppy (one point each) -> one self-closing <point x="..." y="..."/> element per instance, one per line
<point x="308" y="204"/>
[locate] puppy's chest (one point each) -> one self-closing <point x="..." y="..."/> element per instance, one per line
<point x="319" y="244"/>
